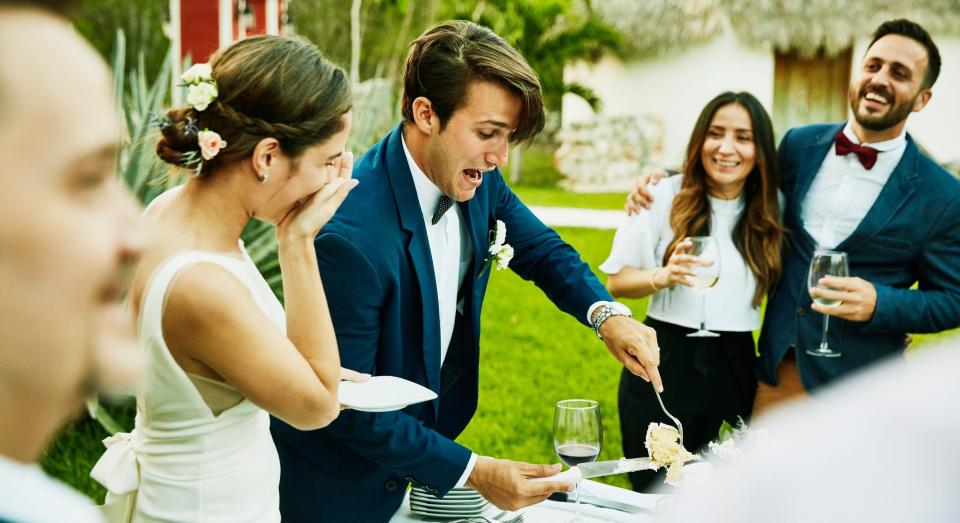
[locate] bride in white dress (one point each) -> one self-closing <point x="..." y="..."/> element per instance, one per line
<point x="264" y="139"/>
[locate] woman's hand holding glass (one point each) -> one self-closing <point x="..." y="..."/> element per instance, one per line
<point x="681" y="266"/>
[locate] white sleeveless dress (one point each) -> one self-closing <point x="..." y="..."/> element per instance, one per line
<point x="182" y="463"/>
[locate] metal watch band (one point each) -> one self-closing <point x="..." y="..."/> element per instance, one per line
<point x="606" y="311"/>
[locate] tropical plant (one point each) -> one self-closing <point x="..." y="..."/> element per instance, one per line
<point x="142" y="23"/>
<point x="550" y="34"/>
<point x="385" y="29"/>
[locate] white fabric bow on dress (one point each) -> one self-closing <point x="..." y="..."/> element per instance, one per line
<point x="117" y="469"/>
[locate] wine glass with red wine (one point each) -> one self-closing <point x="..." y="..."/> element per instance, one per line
<point x="577" y="435"/>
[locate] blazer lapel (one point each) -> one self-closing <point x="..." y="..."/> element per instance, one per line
<point x="475" y="224"/>
<point x="895" y="192"/>
<point x="411" y="221"/>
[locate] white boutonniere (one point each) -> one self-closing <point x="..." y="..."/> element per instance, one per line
<point x="500" y="252"/>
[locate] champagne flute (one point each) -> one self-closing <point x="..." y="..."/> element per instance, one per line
<point x="577" y="435"/>
<point x="825" y="263"/>
<point x="704" y="278"/>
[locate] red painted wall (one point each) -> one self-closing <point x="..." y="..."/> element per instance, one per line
<point x="199" y="29"/>
<point x="260" y="11"/>
<point x="199" y="26"/>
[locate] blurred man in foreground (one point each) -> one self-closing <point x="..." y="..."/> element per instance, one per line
<point x="66" y="240"/>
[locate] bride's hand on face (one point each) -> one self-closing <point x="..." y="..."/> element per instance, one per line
<point x="308" y="216"/>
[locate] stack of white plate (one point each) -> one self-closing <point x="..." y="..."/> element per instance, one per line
<point x="459" y="503"/>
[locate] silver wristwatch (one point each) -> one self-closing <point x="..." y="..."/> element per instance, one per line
<point x="605" y="311"/>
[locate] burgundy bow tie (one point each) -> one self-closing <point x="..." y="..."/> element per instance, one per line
<point x="866" y="155"/>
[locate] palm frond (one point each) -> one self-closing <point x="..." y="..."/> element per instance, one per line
<point x="584" y="92"/>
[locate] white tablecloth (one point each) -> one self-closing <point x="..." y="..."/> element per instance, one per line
<point x="554" y="512"/>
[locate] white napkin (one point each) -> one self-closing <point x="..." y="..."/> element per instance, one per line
<point x="559" y="511"/>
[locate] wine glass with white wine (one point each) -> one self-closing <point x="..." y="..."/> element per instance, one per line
<point x="705" y="277"/>
<point x="825" y="263"/>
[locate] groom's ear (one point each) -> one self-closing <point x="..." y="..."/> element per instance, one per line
<point x="423" y="116"/>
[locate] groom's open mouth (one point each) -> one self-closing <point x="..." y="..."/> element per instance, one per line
<point x="474" y="177"/>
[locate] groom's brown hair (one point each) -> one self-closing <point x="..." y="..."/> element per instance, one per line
<point x="446" y="58"/>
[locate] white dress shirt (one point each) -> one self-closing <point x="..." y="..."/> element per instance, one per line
<point x="843" y="190"/>
<point x="30" y="496"/>
<point x="451" y="251"/>
<point x="641" y="241"/>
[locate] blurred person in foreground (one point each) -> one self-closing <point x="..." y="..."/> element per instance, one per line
<point x="408" y="259"/>
<point x="878" y="447"/>
<point x="729" y="193"/>
<point x="865" y="188"/>
<point x="67" y="236"/>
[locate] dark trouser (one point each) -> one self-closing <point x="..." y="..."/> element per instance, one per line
<point x="706" y="381"/>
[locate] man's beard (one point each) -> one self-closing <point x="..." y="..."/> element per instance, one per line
<point x="896" y="113"/>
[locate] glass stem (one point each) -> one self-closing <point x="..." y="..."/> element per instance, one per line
<point x="823" y="338"/>
<point x="703" y="311"/>
<point x="576" y="489"/>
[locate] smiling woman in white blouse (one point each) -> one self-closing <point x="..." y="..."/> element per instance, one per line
<point x="728" y="191"/>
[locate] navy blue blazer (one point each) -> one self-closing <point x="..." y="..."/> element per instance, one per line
<point x="377" y="271"/>
<point x="910" y="235"/>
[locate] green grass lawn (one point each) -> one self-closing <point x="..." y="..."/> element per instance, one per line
<point x="532" y="356"/>
<point x="556" y="197"/>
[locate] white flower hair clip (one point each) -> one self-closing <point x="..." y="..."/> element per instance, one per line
<point x="201" y="87"/>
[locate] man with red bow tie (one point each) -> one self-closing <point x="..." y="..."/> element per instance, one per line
<point x="862" y="187"/>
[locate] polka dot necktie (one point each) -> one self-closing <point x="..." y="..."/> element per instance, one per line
<point x="445" y="203"/>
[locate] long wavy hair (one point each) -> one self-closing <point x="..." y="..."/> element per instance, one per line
<point x="759" y="230"/>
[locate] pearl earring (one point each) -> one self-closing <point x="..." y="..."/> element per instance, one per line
<point x="263" y="177"/>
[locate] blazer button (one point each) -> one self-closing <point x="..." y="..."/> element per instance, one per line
<point x="390" y="485"/>
<point x="801" y="311"/>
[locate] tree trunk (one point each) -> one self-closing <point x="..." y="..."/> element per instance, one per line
<point x="516" y="164"/>
<point x="355" y="42"/>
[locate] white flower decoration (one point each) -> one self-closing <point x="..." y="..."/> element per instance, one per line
<point x="201" y="95"/>
<point x="210" y="143"/>
<point x="726" y="449"/>
<point x="500" y="252"/>
<point x="197" y="73"/>
<point x="501" y="233"/>
<point x="504" y="256"/>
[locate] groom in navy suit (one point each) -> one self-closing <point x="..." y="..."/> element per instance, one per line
<point x="865" y="188"/>
<point x="405" y="263"/>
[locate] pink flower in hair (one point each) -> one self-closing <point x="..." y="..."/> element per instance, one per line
<point x="210" y="143"/>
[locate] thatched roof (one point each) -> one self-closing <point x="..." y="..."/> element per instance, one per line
<point x="660" y="26"/>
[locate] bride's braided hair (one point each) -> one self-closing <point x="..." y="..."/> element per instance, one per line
<point x="269" y="86"/>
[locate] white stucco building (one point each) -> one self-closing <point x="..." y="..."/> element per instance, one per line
<point x="800" y="77"/>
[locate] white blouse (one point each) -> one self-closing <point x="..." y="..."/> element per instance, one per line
<point x="641" y="241"/>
